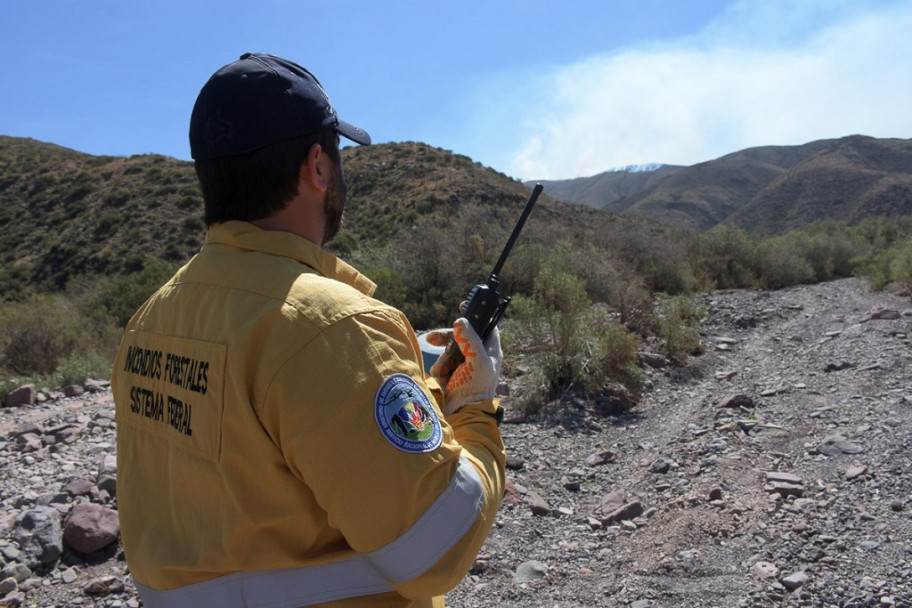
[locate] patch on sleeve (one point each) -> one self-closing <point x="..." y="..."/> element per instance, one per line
<point x="405" y="415"/>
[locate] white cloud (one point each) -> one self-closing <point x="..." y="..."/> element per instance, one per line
<point x="764" y="74"/>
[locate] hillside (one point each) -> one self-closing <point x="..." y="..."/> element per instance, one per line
<point x="849" y="180"/>
<point x="426" y="224"/>
<point x="602" y="191"/>
<point x="772" y="189"/>
<point x="65" y="214"/>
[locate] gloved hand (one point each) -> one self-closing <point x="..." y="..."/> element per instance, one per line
<point x="475" y="379"/>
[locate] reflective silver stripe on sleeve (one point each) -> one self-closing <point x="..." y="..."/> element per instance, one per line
<point x="409" y="556"/>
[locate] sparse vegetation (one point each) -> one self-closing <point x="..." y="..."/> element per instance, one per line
<point x="57" y="339"/>
<point x="36" y="335"/>
<point x="570" y="344"/>
<point x="86" y="239"/>
<point x="53" y="340"/>
<point x="677" y="322"/>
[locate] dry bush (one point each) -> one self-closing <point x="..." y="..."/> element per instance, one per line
<point x="677" y="323"/>
<point x="37" y="335"/>
<point x="571" y="344"/>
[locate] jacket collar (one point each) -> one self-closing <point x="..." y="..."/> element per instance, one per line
<point x="244" y="235"/>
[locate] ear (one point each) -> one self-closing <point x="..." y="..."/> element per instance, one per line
<point x="314" y="172"/>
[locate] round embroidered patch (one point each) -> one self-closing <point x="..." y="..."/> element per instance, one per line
<point x="405" y="415"/>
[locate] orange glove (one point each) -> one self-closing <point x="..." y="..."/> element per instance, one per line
<point x="473" y="380"/>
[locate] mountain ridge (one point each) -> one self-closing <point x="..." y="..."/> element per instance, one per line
<point x="766" y="189"/>
<point x="66" y="214"/>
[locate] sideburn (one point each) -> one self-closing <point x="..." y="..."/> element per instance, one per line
<point x="334" y="204"/>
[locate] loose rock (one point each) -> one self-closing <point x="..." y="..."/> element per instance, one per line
<point x="24" y="395"/>
<point x="848" y="536"/>
<point x="91" y="527"/>
<point x="834" y="445"/>
<point x="530" y="571"/>
<point x="795" y="580"/>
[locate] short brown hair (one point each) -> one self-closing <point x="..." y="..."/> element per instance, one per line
<point x="253" y="186"/>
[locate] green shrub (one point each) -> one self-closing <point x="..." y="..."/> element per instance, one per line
<point x="830" y="248"/>
<point x="193" y="225"/>
<point x="559" y="300"/>
<point x="901" y="266"/>
<point x="569" y="343"/>
<point x="880" y="232"/>
<point x="117" y="298"/>
<point x="417" y="279"/>
<point x="829" y="256"/>
<point x="599" y="273"/>
<point x="634" y="304"/>
<point x="189" y="201"/>
<point x="877" y="275"/>
<point x="8" y="385"/>
<point x="78" y="368"/>
<point x="116" y="197"/>
<point x="391" y="288"/>
<point x="669" y="276"/>
<point x="677" y="324"/>
<point x="725" y="257"/>
<point x="36" y="335"/>
<point x="780" y="262"/>
<point x="108" y="223"/>
<point x="61" y="339"/>
<point x="609" y="355"/>
<point x="75" y="369"/>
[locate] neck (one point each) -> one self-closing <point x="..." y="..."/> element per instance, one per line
<point x="296" y="218"/>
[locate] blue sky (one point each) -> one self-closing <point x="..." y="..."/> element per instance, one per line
<point x="533" y="88"/>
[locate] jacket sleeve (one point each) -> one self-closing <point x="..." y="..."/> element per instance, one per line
<point x="418" y="511"/>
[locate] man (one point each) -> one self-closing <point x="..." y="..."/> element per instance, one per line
<point x="278" y="441"/>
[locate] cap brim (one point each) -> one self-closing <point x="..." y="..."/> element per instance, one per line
<point x="356" y="134"/>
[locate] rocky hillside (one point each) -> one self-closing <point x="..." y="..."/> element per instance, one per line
<point x="603" y="191"/>
<point x="772" y="470"/>
<point x="769" y="189"/>
<point x="848" y="180"/>
<point x="65" y="214"/>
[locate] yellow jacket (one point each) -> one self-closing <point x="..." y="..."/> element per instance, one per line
<point x="279" y="444"/>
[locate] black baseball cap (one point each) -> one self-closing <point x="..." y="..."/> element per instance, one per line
<point x="260" y="100"/>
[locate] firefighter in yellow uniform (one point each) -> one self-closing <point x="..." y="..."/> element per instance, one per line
<point x="279" y="444"/>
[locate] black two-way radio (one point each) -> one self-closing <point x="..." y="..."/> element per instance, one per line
<point x="484" y="306"/>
